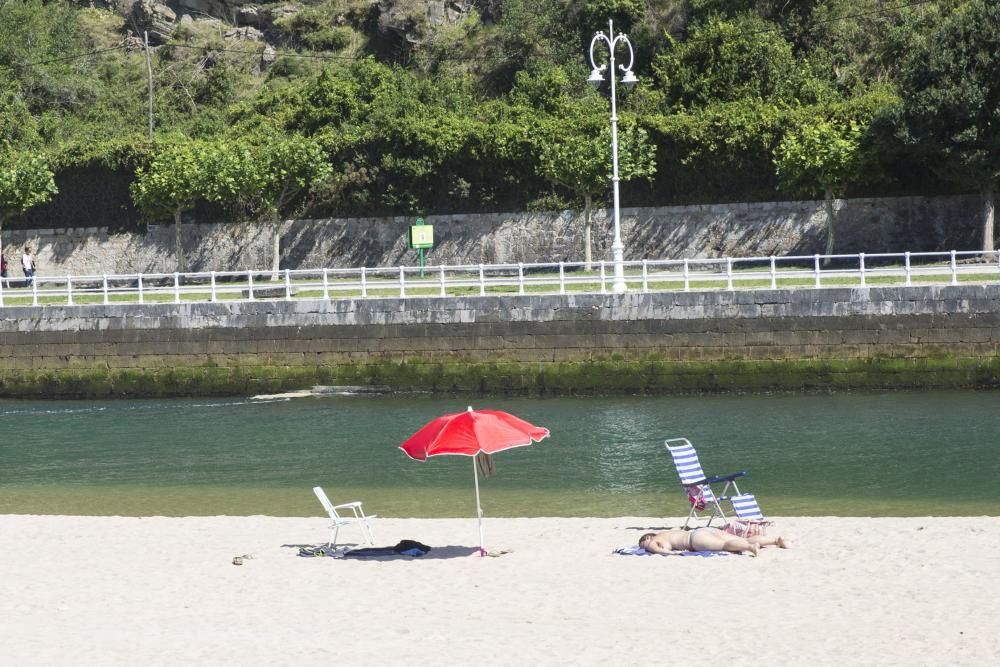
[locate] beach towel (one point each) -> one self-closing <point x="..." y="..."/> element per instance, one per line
<point x="484" y="462"/>
<point x="636" y="550"/>
<point x="403" y="547"/>
<point x="371" y="552"/>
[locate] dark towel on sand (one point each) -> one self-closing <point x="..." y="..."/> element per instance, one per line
<point x="404" y="547"/>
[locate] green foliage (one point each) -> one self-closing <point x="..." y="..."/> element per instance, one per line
<point x="317" y="28"/>
<point x="287" y="166"/>
<point x="25" y="181"/>
<point x="859" y="42"/>
<point x="172" y="180"/>
<point x="329" y="100"/>
<point x="545" y="87"/>
<point x="329" y="39"/>
<point x="818" y="156"/>
<point x="950" y="90"/>
<point x="218" y="86"/>
<point x="724" y="149"/>
<point x="727" y="60"/>
<point x="17" y="125"/>
<point x="575" y="148"/>
<point x="229" y="172"/>
<point x="528" y="31"/>
<point x="594" y="14"/>
<point x="33" y="36"/>
<point x="738" y="100"/>
<point x="828" y="148"/>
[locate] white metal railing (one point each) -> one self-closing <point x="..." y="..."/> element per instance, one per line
<point x="727" y="273"/>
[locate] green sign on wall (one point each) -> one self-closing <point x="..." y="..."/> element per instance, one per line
<point x="421" y="235"/>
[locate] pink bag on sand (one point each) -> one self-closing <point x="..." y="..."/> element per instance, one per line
<point x="746" y="528"/>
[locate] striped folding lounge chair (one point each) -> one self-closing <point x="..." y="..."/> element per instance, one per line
<point x="698" y="485"/>
<point x="749" y="519"/>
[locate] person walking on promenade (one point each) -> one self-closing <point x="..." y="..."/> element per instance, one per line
<point x="3" y="270"/>
<point x="28" y="264"/>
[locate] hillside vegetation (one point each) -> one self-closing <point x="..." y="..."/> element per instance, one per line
<point x="407" y="107"/>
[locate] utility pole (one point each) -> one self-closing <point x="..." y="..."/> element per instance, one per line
<point x="149" y="74"/>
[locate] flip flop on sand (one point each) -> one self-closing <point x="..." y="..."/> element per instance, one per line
<point x="499" y="552"/>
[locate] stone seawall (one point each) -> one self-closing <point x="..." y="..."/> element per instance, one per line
<point x="657" y="342"/>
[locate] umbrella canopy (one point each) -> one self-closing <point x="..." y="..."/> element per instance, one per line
<point x="471" y="433"/>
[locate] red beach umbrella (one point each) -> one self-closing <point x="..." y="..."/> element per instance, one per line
<point x="471" y="433"/>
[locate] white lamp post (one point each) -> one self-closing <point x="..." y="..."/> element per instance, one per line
<point x="611" y="41"/>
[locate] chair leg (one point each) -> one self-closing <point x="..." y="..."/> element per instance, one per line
<point x="336" y="531"/>
<point x="371" y="537"/>
<point x="717" y="510"/>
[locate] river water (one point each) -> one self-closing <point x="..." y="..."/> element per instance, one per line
<point x="850" y="453"/>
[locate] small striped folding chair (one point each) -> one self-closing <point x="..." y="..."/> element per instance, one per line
<point x="749" y="519"/>
<point x="697" y="484"/>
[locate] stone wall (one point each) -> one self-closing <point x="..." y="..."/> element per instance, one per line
<point x="751" y="229"/>
<point x="657" y="342"/>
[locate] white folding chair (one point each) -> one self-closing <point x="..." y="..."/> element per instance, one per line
<point x="697" y="484"/>
<point x="357" y="518"/>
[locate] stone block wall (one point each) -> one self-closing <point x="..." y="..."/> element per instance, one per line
<point x="735" y="230"/>
<point x="658" y="342"/>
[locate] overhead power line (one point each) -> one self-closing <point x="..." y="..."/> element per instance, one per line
<point x="884" y="11"/>
<point x="77" y="56"/>
<point x="331" y="56"/>
<point x="881" y="12"/>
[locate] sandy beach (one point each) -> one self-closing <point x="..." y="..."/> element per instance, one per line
<point x="164" y="591"/>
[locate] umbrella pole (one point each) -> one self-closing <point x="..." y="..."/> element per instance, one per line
<point x="479" y="510"/>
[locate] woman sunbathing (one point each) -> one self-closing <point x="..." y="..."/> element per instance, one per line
<point x="706" y="539"/>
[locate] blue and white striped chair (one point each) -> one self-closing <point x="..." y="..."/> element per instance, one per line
<point x="697" y="484"/>
<point x="746" y="508"/>
<point x="749" y="519"/>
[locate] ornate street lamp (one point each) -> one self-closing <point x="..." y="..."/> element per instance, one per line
<point x="612" y="41"/>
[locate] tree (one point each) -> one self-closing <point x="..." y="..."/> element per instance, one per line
<point x="25" y="181"/>
<point x="286" y="168"/>
<point x="950" y="113"/>
<point x="182" y="173"/>
<point x="722" y="151"/>
<point x="575" y="153"/>
<point x="170" y="185"/>
<point x="820" y="156"/>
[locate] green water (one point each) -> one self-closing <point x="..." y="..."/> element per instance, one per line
<point x="882" y="454"/>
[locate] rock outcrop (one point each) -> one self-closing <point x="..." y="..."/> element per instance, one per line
<point x="412" y="21"/>
<point x="153" y="17"/>
<point x="416" y="20"/>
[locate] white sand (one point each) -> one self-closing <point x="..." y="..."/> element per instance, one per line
<point x="163" y="591"/>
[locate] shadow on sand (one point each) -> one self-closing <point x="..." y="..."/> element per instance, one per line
<point x="347" y="552"/>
